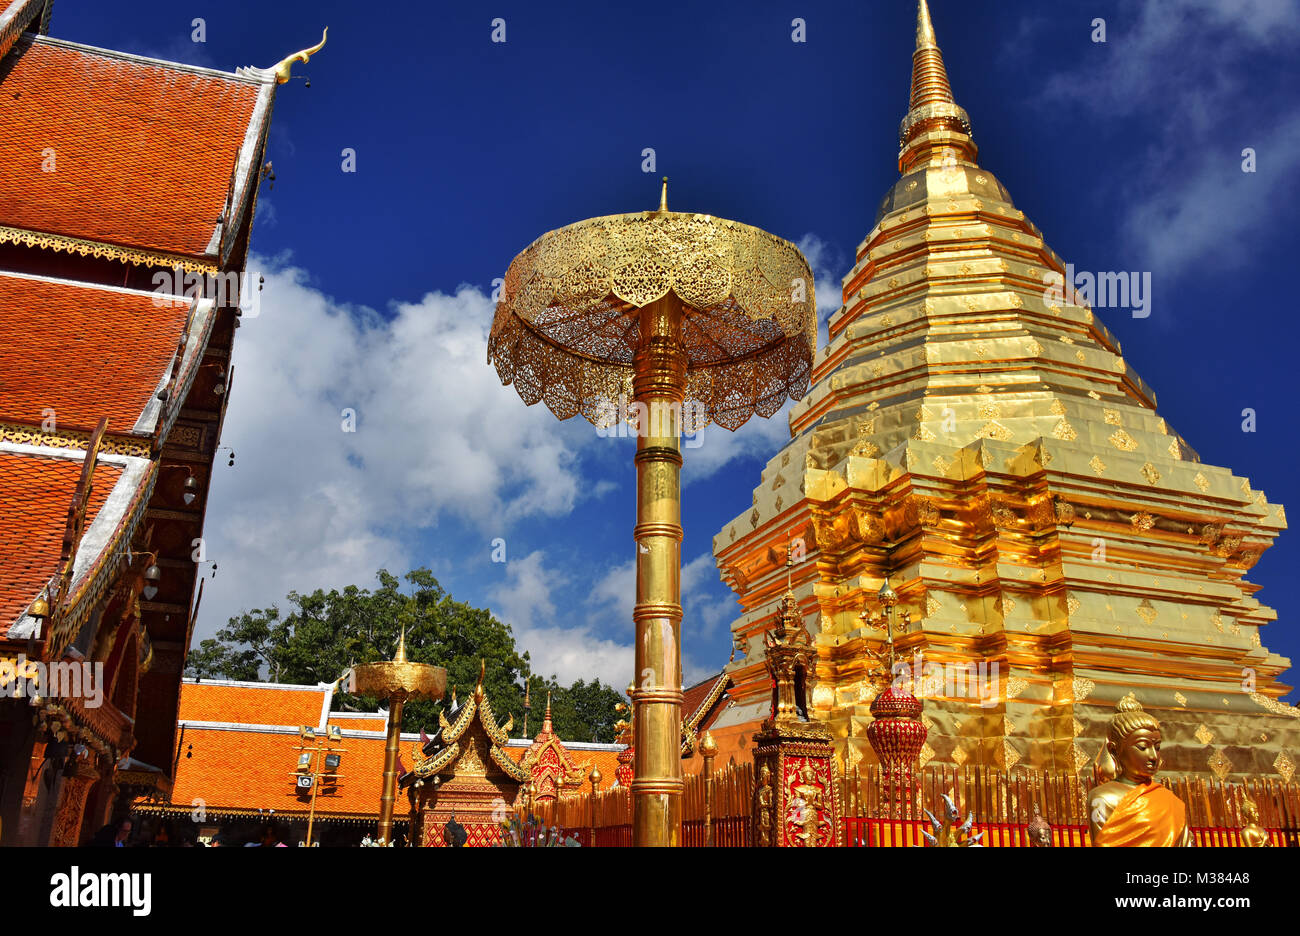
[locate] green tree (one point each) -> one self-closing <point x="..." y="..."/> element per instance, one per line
<point x="327" y="632"/>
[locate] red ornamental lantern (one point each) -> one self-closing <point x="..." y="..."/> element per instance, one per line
<point x="897" y="736"/>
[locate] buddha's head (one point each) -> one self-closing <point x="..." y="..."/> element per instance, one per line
<point x="1250" y="812"/>
<point x="1133" y="743"/>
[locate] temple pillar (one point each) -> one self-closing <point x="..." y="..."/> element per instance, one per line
<point x="72" y="806"/>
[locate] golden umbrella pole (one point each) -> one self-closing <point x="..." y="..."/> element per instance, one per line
<point x="673" y="310"/>
<point x="388" y="798"/>
<point x="399" y="681"/>
<point x="659" y="382"/>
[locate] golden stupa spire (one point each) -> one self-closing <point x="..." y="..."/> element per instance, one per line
<point x="663" y="196"/>
<point x="929" y="77"/>
<point x="400" y="656"/>
<point x="935" y="128"/>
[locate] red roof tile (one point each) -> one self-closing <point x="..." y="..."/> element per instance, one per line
<point x="83" y="352"/>
<point x="143" y="152"/>
<point x="16" y="16"/>
<point x="248" y="704"/>
<point x="36" y="492"/>
<point x="238" y="770"/>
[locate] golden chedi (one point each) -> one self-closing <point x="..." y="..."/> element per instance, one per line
<point x="987" y="448"/>
<point x="1132" y="809"/>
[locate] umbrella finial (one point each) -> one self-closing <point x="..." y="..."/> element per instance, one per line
<point x="663" y="196"/>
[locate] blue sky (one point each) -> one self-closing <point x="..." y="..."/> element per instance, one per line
<point x="1126" y="154"/>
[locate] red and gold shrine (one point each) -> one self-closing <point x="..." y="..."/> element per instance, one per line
<point x="796" y="802"/>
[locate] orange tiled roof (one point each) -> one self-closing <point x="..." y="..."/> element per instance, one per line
<point x="248" y="770"/>
<point x="81" y="351"/>
<point x="36" y="492"/>
<point x="144" y="151"/>
<point x="250" y="703"/>
<point x="15" y="16"/>
<point x="239" y="769"/>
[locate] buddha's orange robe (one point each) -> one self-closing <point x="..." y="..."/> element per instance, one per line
<point x="1148" y="815"/>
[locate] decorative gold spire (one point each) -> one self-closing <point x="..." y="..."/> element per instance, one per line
<point x="546" y="719"/>
<point x="929" y="77"/>
<point x="935" y="128"/>
<point x="281" y="68"/>
<point x="663" y="196"/>
<point x="400" y="656"/>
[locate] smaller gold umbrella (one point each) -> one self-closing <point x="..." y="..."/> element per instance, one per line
<point x="398" y="680"/>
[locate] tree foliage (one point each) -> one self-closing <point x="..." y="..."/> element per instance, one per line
<point x="325" y="633"/>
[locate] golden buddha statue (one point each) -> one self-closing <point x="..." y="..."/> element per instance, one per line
<point x="1132" y="809"/>
<point x="1253" y="835"/>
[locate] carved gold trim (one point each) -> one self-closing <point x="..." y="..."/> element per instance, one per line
<point x="90" y="248"/>
<point x="74" y="439"/>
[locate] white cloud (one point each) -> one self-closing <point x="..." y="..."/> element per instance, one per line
<point x="568" y="652"/>
<point x="1191" y="70"/>
<point x="437" y="438"/>
<point x="309" y="505"/>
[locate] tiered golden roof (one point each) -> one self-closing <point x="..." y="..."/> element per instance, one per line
<point x="986" y="444"/>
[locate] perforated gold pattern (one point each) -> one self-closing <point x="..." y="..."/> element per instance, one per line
<point x="73" y="439"/>
<point x="89" y="248"/>
<point x="566" y="329"/>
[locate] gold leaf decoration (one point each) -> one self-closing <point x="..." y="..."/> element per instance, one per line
<point x="1175" y="450"/>
<point x="1203" y="734"/>
<point x="1080" y="759"/>
<point x="926" y="755"/>
<point x="959" y="756"/>
<point x="1009" y="756"/>
<point x="1057" y="408"/>
<point x="942" y="464"/>
<point x="1284" y="766"/>
<point x="1220" y="764"/>
<point x="1180" y="698"/>
<point x="1072" y="605"/>
<point x="994" y="430"/>
<point x="1064" y="431"/>
<point x="1015" y="686"/>
<point x="932" y="606"/>
<point x="1151" y="474"/>
<point x="1111" y="417"/>
<point x="1098" y="466"/>
<point x="1083" y="688"/>
<point x="1142" y="521"/>
<point x="1146" y="612"/>
<point x="1122" y="441"/>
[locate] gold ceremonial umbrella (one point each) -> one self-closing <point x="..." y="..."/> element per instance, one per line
<point x="666" y="319"/>
<point x="399" y="681"/>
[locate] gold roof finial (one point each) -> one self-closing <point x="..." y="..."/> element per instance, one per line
<point x="924" y="28"/>
<point x="935" y="128"/>
<point x="663" y="196"/>
<point x="400" y="656"/>
<point x="929" y="77"/>
<point x="281" y="68"/>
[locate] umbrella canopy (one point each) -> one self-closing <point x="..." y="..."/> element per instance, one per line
<point x="567" y="327"/>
